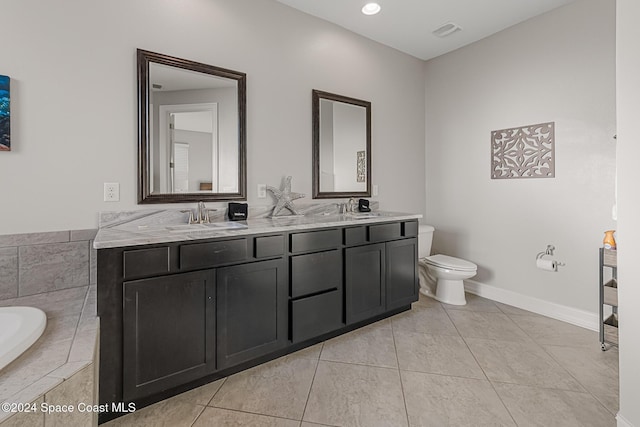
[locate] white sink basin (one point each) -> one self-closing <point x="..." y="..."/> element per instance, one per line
<point x="190" y="228"/>
<point x="360" y="215"/>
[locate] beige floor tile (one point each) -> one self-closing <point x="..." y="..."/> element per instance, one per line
<point x="424" y="300"/>
<point x="440" y="401"/>
<point x="531" y="406"/>
<point x="595" y="369"/>
<point x="370" y="345"/>
<point x="356" y="395"/>
<point x="436" y="354"/>
<point x="172" y="412"/>
<point x="496" y="326"/>
<point x="475" y="303"/>
<point x="545" y="330"/>
<point x="203" y="394"/>
<point x="312" y="352"/>
<point x="511" y="310"/>
<point x="609" y="401"/>
<point x="425" y="319"/>
<point x="521" y="363"/>
<point x="226" y="418"/>
<point x="278" y="388"/>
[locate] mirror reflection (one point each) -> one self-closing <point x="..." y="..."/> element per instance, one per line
<point x="342" y="146"/>
<point x="192" y="131"/>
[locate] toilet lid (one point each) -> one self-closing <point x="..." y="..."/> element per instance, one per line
<point x="450" y="263"/>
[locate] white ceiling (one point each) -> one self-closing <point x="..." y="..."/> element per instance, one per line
<point x="407" y="25"/>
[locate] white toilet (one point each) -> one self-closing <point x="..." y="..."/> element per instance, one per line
<point x="441" y="276"/>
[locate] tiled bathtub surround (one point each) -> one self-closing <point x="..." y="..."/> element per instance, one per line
<point x="60" y="367"/>
<point x="36" y="263"/>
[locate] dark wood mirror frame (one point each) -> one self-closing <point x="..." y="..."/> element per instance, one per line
<point x="145" y="195"/>
<point x="315" y="112"/>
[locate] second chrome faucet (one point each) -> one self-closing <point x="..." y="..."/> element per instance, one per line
<point x="201" y="215"/>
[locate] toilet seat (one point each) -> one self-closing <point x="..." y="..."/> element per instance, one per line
<point x="450" y="263"/>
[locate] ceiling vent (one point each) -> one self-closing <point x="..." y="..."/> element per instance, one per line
<point x="447" y="29"/>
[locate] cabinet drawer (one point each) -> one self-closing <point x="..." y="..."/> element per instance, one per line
<point x="315" y="240"/>
<point x="269" y="246"/>
<point x="355" y="235"/>
<point x="316" y="272"/>
<point x="316" y="315"/>
<point x="213" y="253"/>
<point x="382" y="232"/>
<point x="145" y="262"/>
<point x="410" y="228"/>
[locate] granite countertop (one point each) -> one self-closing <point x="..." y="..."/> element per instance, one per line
<point x="159" y="226"/>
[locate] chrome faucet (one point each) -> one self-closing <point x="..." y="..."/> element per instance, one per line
<point x="351" y="205"/>
<point x="201" y="215"/>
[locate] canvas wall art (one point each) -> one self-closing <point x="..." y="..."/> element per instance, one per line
<point x="5" y="122"/>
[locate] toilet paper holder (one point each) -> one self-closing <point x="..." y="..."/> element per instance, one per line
<point x="547" y="254"/>
<point x="549" y="251"/>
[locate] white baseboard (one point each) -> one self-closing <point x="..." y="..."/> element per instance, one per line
<point x="571" y="315"/>
<point x="622" y="422"/>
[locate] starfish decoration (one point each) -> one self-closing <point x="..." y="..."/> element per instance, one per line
<point x="285" y="198"/>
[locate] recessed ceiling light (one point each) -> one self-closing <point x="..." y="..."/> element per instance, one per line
<point x="371" y="8"/>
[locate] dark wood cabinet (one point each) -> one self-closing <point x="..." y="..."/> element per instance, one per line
<point x="168" y="332"/>
<point x="251" y="311"/>
<point x="176" y="315"/>
<point x="365" y="270"/>
<point x="401" y="272"/>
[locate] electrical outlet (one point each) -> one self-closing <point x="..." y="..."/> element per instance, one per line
<point x="375" y="190"/>
<point x="111" y="192"/>
<point x="262" y="191"/>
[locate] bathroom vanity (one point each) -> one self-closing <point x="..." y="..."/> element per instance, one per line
<point x="178" y="310"/>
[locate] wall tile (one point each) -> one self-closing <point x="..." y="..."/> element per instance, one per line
<point x="8" y="273"/>
<point x="33" y="238"/>
<point x="44" y="268"/>
<point x="78" y="235"/>
<point x="25" y="419"/>
<point x="93" y="264"/>
<point x="55" y="304"/>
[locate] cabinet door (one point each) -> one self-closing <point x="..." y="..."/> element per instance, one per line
<point x="364" y="281"/>
<point x="252" y="311"/>
<point x="169" y="332"/>
<point x="402" y="273"/>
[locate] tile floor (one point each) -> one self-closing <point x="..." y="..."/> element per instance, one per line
<point x="483" y="364"/>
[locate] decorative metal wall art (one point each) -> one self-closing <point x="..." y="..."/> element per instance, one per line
<point x="361" y="166"/>
<point x="523" y="152"/>
<point x="5" y="116"/>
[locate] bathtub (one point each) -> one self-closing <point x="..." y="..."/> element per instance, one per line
<point x="20" y="327"/>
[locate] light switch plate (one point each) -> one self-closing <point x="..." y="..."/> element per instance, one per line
<point x="262" y="191"/>
<point x="375" y="190"/>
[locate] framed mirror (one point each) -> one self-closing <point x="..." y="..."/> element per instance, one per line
<point x="341" y="146"/>
<point x="191" y="131"/>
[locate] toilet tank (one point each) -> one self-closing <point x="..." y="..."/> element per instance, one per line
<point x="425" y="237"/>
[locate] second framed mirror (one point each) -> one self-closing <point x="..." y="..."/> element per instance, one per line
<point x="341" y="146"/>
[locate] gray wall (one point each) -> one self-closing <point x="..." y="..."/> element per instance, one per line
<point x="74" y="120"/>
<point x="557" y="67"/>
